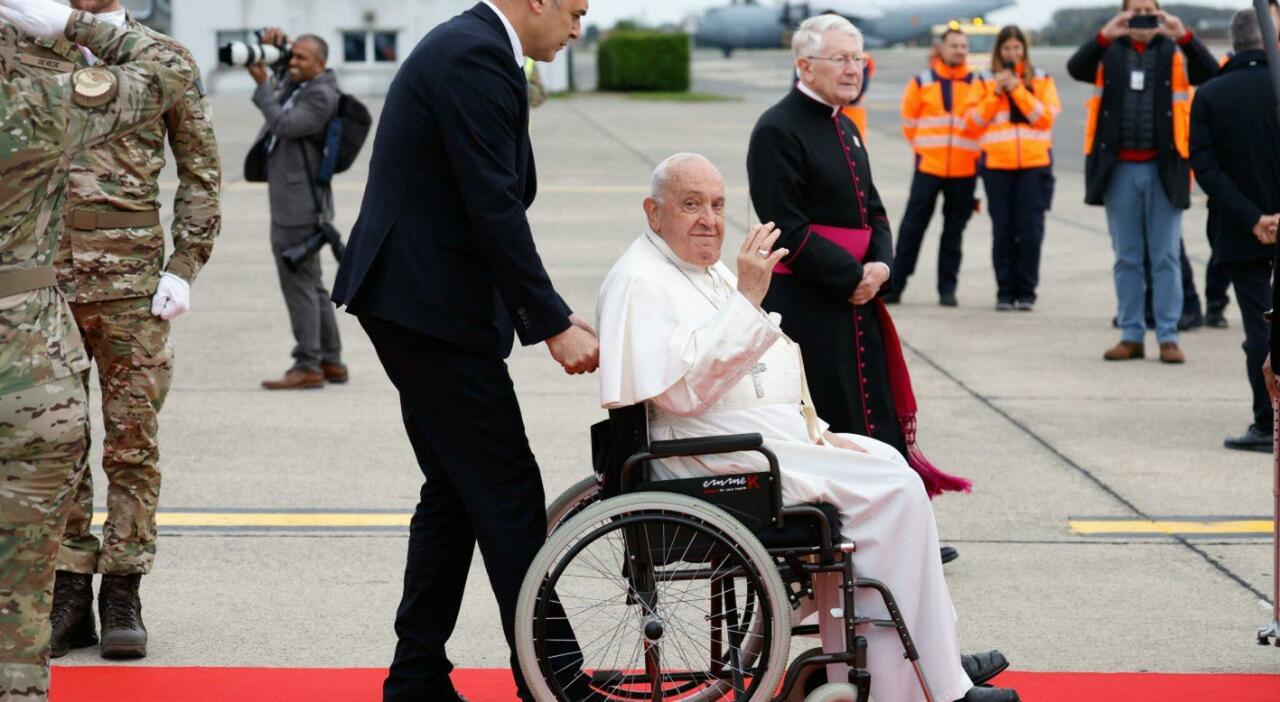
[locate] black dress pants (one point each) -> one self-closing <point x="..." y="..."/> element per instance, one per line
<point x="1252" y="282"/>
<point x="482" y="486"/>
<point x="1017" y="201"/>
<point x="1216" y="283"/>
<point x="957" y="208"/>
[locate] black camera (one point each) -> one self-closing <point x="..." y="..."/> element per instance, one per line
<point x="297" y="255"/>
<point x="1144" y="22"/>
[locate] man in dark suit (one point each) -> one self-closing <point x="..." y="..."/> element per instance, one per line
<point x="442" y="271"/>
<point x="1235" y="151"/>
<point x="297" y="109"/>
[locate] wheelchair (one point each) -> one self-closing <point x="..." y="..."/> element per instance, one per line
<point x="683" y="590"/>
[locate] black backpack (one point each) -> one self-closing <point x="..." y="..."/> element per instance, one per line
<point x="346" y="135"/>
<point x="342" y="141"/>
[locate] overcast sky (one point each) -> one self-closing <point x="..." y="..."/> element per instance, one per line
<point x="1030" y="13"/>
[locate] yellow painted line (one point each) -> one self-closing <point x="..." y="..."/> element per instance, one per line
<point x="248" y="520"/>
<point x="1138" y="527"/>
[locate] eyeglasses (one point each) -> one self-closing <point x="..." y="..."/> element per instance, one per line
<point x="850" y="60"/>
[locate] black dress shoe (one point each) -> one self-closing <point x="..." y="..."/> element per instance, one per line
<point x="1253" y="439"/>
<point x="1215" y="319"/>
<point x="1191" y="320"/>
<point x="949" y="553"/>
<point x="979" y="693"/>
<point x="981" y="667"/>
<point x="948" y="300"/>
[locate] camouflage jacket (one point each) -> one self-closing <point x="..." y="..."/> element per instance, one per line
<point x="43" y="126"/>
<point x="123" y="176"/>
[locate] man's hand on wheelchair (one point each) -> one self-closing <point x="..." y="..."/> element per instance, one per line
<point x="842" y="443"/>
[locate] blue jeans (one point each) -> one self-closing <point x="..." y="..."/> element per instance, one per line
<point x="1142" y="219"/>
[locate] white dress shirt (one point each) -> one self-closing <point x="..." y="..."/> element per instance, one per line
<point x="516" y="46"/>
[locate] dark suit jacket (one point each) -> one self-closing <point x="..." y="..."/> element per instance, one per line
<point x="1235" y="151"/>
<point x="1175" y="173"/>
<point x="442" y="244"/>
<point x="298" y="129"/>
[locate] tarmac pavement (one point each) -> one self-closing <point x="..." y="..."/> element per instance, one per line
<point x="1021" y="403"/>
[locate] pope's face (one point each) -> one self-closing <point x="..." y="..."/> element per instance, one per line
<point x="835" y="72"/>
<point x="689" y="215"/>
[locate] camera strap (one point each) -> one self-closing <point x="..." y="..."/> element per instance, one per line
<point x="311" y="186"/>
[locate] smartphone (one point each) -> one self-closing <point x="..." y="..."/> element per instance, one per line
<point x="1144" y="22"/>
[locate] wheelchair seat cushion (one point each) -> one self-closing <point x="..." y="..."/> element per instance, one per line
<point x="802" y="531"/>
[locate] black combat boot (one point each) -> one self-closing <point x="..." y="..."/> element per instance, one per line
<point x="72" y="615"/>
<point x="123" y="634"/>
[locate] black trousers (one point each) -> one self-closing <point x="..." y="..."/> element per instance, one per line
<point x="1216" y="283"/>
<point x="1017" y="201"/>
<point x="957" y="208"/>
<point x="1252" y="282"/>
<point x="482" y="486"/>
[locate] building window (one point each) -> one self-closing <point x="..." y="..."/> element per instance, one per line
<point x="355" y="47"/>
<point x="370" y="46"/>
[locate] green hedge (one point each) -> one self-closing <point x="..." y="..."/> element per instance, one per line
<point x="628" y="61"/>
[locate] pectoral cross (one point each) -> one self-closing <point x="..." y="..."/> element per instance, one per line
<point x="756" y="371"/>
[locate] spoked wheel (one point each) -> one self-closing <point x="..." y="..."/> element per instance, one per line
<point x="578" y="497"/>
<point x="653" y="596"/>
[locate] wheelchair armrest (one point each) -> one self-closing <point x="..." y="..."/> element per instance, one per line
<point x="705" y="445"/>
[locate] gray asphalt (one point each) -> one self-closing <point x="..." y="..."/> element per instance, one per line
<point x="1022" y="404"/>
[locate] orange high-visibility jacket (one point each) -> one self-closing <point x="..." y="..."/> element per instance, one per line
<point x="1183" y="94"/>
<point x="1015" y="130"/>
<point x="933" y="109"/>
<point x="857" y="111"/>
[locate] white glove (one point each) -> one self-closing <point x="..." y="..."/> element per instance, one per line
<point x="173" y="295"/>
<point x="42" y="18"/>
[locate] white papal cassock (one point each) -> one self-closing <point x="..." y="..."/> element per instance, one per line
<point x="705" y="361"/>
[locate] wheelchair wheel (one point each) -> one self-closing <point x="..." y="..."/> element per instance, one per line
<point x="653" y="591"/>
<point x="578" y="497"/>
<point x="834" y="692"/>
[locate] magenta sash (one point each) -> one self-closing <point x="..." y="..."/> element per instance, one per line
<point x="936" y="481"/>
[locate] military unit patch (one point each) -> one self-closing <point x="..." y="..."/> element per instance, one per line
<point x="93" y="87"/>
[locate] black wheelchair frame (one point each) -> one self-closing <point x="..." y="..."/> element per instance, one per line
<point x="802" y="539"/>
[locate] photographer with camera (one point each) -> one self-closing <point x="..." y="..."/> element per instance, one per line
<point x="1142" y="65"/>
<point x="298" y="99"/>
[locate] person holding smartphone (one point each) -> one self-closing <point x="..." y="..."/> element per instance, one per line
<point x="1142" y="64"/>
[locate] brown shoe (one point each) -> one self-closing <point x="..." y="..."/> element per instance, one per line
<point x="1170" y="353"/>
<point x="1125" y="351"/>
<point x="335" y="373"/>
<point x="296" y="380"/>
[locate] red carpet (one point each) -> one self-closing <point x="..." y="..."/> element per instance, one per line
<point x="140" y="684"/>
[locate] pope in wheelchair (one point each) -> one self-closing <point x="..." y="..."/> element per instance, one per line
<point x="726" y="518"/>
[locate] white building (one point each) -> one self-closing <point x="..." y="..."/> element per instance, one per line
<point x="367" y="38"/>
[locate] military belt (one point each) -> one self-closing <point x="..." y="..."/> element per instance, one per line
<point x="87" y="220"/>
<point x="13" y="282"/>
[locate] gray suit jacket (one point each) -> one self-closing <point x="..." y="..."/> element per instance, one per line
<point x="300" y="127"/>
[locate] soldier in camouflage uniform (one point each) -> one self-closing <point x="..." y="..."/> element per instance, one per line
<point x="43" y="418"/>
<point x="110" y="267"/>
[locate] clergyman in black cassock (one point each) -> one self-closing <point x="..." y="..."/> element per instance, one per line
<point x="809" y="170"/>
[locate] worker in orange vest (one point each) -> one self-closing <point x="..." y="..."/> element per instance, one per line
<point x="933" y="109"/>
<point x="1013" y="116"/>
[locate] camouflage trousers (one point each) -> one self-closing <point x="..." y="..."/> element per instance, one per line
<point x="131" y="349"/>
<point x="43" y="432"/>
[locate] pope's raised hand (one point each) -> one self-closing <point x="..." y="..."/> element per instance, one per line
<point x="756" y="261"/>
<point x="41" y="18"/>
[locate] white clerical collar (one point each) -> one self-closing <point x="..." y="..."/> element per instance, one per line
<point x="666" y="250"/>
<point x="516" y="46"/>
<point x="804" y="88"/>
